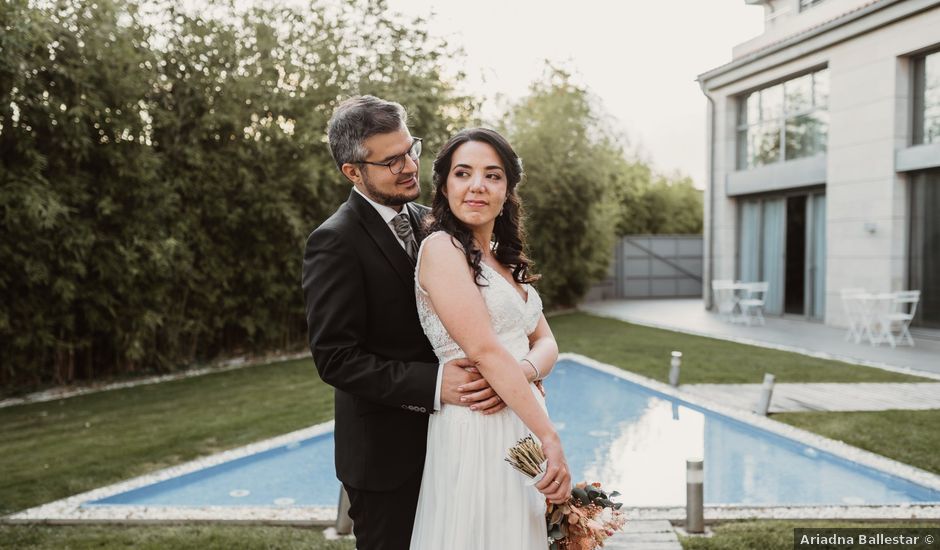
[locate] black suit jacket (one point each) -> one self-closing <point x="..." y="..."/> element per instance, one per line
<point x="368" y="344"/>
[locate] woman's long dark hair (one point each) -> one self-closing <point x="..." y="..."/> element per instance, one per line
<point x="508" y="234"/>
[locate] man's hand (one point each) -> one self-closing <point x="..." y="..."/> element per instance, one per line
<point x="462" y="384"/>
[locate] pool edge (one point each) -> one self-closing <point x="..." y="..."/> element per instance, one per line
<point x="837" y="448"/>
<point x="68" y="511"/>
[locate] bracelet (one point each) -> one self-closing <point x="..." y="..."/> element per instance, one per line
<point x="538" y="375"/>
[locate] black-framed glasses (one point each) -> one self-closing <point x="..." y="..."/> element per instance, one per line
<point x="397" y="164"/>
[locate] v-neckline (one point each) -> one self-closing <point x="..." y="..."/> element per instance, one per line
<point x="524" y="299"/>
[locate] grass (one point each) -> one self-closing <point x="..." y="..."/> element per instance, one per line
<point x="646" y="351"/>
<point x="775" y="535"/>
<point x="59" y="448"/>
<point x="177" y="537"/>
<point x="914" y="435"/>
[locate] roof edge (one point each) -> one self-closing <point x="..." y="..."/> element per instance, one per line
<point x="811" y="33"/>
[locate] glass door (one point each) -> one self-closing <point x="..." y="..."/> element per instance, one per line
<point x="782" y="240"/>
<point x="762" y="250"/>
<point x="924" y="257"/>
<point x="816" y="251"/>
<point x="774" y="256"/>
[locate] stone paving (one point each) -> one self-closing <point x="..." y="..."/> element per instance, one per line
<point x="645" y="535"/>
<point x="786" y="333"/>
<point x="824" y="396"/>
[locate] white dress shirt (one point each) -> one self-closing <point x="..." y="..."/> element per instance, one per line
<point x="388" y="214"/>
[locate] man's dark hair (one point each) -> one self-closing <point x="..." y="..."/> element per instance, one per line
<point x="356" y="120"/>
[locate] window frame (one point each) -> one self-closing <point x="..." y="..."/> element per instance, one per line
<point x="808" y="4"/>
<point x="743" y="125"/>
<point x="918" y="101"/>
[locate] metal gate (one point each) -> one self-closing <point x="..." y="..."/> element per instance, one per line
<point x="653" y="266"/>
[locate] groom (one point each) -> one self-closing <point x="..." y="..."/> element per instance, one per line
<point x="358" y="282"/>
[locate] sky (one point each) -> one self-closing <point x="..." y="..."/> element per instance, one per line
<point x="639" y="57"/>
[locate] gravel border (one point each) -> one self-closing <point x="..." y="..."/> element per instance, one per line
<point x="63" y="392"/>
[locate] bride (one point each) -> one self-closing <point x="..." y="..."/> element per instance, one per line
<point x="474" y="300"/>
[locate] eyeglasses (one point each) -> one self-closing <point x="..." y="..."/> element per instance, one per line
<point x="397" y="164"/>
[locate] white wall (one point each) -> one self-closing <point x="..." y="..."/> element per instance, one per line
<point x="869" y="120"/>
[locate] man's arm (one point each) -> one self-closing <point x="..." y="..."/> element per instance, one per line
<point x="336" y="322"/>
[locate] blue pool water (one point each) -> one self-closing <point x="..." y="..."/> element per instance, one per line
<point x="627" y="436"/>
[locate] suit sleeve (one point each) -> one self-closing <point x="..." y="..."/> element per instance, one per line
<point x="336" y="309"/>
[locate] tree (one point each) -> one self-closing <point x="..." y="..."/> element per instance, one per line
<point x="657" y="204"/>
<point x="83" y="212"/>
<point x="572" y="163"/>
<point x="160" y="169"/>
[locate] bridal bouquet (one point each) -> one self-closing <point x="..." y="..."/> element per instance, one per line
<point x="586" y="519"/>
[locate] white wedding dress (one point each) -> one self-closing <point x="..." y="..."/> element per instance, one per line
<point x="471" y="499"/>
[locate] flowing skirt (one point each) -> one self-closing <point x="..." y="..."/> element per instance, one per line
<point x="472" y="499"/>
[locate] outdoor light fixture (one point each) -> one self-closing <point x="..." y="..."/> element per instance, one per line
<point x="870" y="227"/>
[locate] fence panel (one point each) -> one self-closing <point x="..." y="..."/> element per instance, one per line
<point x="653" y="266"/>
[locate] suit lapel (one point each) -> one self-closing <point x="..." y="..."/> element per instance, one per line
<point x="382" y="236"/>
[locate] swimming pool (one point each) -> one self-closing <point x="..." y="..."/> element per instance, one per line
<point x="633" y="437"/>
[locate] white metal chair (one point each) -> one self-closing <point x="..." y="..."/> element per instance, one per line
<point x="853" y="312"/>
<point x="752" y="306"/>
<point x="723" y="292"/>
<point x="898" y="317"/>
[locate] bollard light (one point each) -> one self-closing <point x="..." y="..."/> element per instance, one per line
<point x="674" y="365"/>
<point x="343" y="521"/>
<point x="766" y="393"/>
<point x="694" y="495"/>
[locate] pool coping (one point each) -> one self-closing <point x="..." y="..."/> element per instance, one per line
<point x="831" y="446"/>
<point x="69" y="510"/>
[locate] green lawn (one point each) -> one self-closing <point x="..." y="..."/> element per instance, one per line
<point x="60" y="448"/>
<point x="773" y="535"/>
<point x="914" y="435"/>
<point x="646" y="351"/>
<point x="178" y="537"/>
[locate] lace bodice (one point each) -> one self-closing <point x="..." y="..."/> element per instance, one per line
<point x="513" y="317"/>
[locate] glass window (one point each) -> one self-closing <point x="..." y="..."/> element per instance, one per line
<point x="784" y="121"/>
<point x="799" y="94"/>
<point x="925" y="246"/>
<point x="821" y="89"/>
<point x="766" y="142"/>
<point x="771" y="102"/>
<point x="753" y="107"/>
<point x="806" y="134"/>
<point x="927" y="99"/>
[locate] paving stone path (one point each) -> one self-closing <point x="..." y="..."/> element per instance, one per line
<point x="824" y="397"/>
<point x="645" y="535"/>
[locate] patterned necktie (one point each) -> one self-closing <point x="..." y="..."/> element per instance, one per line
<point x="403" y="229"/>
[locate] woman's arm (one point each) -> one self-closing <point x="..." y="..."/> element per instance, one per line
<point x="458" y="303"/>
<point x="543" y="351"/>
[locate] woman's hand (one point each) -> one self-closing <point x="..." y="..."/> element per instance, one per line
<point x="556" y="485"/>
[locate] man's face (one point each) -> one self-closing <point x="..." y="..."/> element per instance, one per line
<point x="378" y="182"/>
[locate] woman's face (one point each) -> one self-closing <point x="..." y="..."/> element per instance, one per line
<point x="476" y="184"/>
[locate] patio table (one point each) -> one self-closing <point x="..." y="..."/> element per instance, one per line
<point x="870" y="308"/>
<point x="729" y="294"/>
